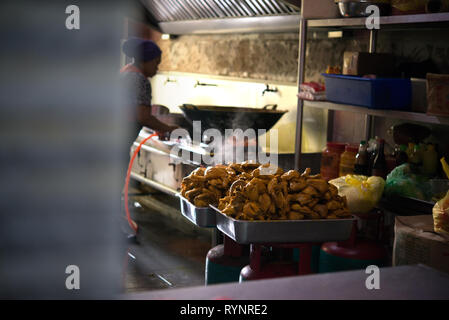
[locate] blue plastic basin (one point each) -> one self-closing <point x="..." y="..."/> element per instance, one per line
<point x="382" y="93"/>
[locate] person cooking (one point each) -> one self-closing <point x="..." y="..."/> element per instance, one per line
<point x="146" y="58"/>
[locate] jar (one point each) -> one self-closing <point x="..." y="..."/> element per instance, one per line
<point x="347" y="160"/>
<point x="330" y="160"/>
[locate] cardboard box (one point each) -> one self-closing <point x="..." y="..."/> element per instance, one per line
<point x="438" y="94"/>
<point x="416" y="242"/>
<point x="319" y="9"/>
<point x="363" y="63"/>
<point x="419" y="95"/>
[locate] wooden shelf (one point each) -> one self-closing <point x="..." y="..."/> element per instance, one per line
<point x="385" y="20"/>
<point x="403" y="115"/>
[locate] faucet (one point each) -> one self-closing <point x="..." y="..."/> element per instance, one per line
<point x="268" y="89"/>
<point x="169" y="80"/>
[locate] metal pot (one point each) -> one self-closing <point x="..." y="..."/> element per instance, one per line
<point x="221" y="118"/>
<point x="357" y="8"/>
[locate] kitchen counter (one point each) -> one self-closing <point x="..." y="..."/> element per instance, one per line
<point x="396" y="283"/>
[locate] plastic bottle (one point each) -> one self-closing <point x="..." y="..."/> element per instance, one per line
<point x="347" y="160"/>
<point x="330" y="160"/>
<point x="361" y="159"/>
<point x="430" y="160"/>
<point x="380" y="164"/>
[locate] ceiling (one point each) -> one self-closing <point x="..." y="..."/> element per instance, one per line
<point x="177" y="10"/>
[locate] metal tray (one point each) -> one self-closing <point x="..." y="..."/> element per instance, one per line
<point x="284" y="231"/>
<point x="202" y="217"/>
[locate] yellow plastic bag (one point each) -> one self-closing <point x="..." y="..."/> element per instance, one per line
<point x="362" y="193"/>
<point x="440" y="213"/>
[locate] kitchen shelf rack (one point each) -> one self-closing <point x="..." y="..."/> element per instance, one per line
<point x="404" y="21"/>
<point x="410" y="116"/>
<point x="384" y="21"/>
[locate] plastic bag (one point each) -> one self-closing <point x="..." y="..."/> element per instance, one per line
<point x="441" y="216"/>
<point x="403" y="182"/>
<point x="362" y="193"/>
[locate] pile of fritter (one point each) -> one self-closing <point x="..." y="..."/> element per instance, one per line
<point x="250" y="191"/>
<point x="205" y="186"/>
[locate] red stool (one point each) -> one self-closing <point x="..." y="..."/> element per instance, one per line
<point x="262" y="267"/>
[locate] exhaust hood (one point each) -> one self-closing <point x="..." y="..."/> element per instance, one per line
<point x="223" y="16"/>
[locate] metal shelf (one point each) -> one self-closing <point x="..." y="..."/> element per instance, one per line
<point x="385" y="20"/>
<point x="403" y="115"/>
<point x="427" y="21"/>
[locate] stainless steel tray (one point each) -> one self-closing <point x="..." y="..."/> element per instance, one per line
<point x="202" y="217"/>
<point x="284" y="231"/>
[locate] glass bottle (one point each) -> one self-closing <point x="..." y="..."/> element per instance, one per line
<point x="361" y="159"/>
<point x="380" y="164"/>
<point x="401" y="155"/>
<point x="372" y="155"/>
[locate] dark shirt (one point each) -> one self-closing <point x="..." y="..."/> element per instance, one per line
<point x="137" y="92"/>
<point x="138" y="87"/>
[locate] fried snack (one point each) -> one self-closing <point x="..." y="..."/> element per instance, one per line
<point x="251" y="191"/>
<point x="297" y="184"/>
<point x="311" y="191"/>
<point x="205" y="186"/>
<point x="319" y="184"/>
<point x="281" y="195"/>
<point x="267" y="171"/>
<point x="293" y="215"/>
<point x="215" y="173"/>
<point x="321" y="209"/>
<point x="291" y="174"/>
<point x="248" y="165"/>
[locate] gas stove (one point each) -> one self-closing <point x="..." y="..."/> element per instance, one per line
<point x="162" y="164"/>
<point x="158" y="166"/>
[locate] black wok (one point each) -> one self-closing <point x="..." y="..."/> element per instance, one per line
<point x="221" y="118"/>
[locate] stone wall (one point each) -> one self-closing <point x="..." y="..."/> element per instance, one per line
<point x="271" y="57"/>
<point x="274" y="56"/>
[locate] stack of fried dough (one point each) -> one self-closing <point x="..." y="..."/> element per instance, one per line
<point x="283" y="196"/>
<point x="206" y="186"/>
<point x="250" y="191"/>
